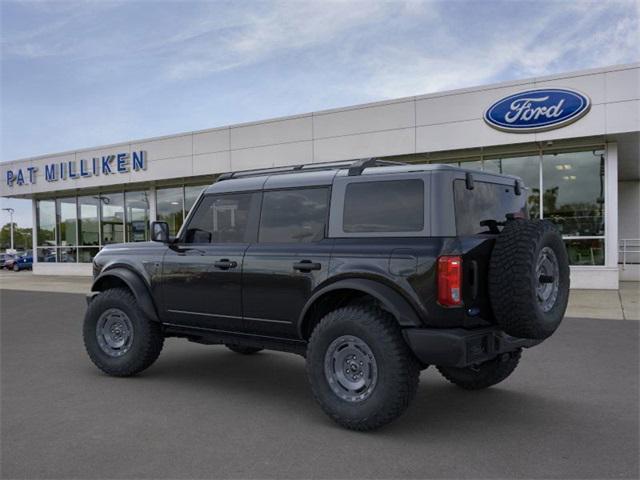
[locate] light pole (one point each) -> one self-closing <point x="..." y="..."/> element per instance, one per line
<point x="11" y="212"/>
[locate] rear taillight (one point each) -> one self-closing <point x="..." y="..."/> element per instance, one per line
<point x="450" y="281"/>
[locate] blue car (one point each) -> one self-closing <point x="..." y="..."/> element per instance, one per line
<point x="23" y="262"/>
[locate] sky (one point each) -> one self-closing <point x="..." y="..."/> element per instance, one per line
<point x="86" y="73"/>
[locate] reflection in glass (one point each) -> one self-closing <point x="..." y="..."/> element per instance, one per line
<point x="86" y="254"/>
<point x="574" y="192"/>
<point x="46" y="255"/>
<point x="294" y="216"/>
<point x="169" y="207"/>
<point x="88" y="220"/>
<point x="46" y="220"/>
<point x="528" y="169"/>
<point x="191" y="194"/>
<point x="67" y="255"/>
<point x="585" y="252"/>
<point x="137" y="215"/>
<point x="112" y="218"/>
<point x="66" y="221"/>
<point x="472" y="165"/>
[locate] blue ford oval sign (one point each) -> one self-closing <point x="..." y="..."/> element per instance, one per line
<point x="537" y="110"/>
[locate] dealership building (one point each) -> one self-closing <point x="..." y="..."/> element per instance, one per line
<point x="573" y="138"/>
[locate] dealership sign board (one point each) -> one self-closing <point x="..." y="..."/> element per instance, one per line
<point x="77" y="169"/>
<point x="537" y="110"/>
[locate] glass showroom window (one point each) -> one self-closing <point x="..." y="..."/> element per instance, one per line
<point x="88" y="228"/>
<point x="191" y="194"/>
<point x="527" y="168"/>
<point x="46" y="230"/>
<point x="112" y="218"/>
<point x="170" y="207"/>
<point x="137" y="216"/>
<point x="67" y="229"/>
<point x="574" y="200"/>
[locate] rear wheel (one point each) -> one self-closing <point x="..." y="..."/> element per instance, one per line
<point x="484" y="375"/>
<point x="120" y="340"/>
<point x="360" y="369"/>
<point x="16" y="268"/>
<point x="242" y="349"/>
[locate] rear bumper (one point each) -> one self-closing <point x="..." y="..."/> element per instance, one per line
<point x="459" y="347"/>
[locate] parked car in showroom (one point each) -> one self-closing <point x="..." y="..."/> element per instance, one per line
<point x="370" y="270"/>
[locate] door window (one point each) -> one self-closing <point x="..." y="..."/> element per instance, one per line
<point x="294" y="216"/>
<point x="222" y="219"/>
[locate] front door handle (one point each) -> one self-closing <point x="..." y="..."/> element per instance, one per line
<point x="306" y="266"/>
<point x="225" y="264"/>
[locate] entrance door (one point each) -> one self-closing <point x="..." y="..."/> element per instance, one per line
<point x="202" y="272"/>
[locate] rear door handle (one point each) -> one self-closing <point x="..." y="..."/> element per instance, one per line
<point x="306" y="266"/>
<point x="225" y="264"/>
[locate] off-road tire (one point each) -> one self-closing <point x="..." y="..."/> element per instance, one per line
<point x="147" y="338"/>
<point x="242" y="349"/>
<point x="398" y="370"/>
<point x="513" y="281"/>
<point x="484" y="375"/>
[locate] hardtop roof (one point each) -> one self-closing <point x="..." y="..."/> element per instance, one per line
<point x="324" y="174"/>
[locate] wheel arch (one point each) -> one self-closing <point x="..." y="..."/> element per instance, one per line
<point x="346" y="291"/>
<point x="121" y="277"/>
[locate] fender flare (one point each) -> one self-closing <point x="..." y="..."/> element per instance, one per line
<point x="391" y="300"/>
<point x="137" y="286"/>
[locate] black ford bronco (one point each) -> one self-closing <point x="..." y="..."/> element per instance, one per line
<point x="371" y="270"/>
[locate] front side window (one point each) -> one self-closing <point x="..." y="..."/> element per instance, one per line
<point x="294" y="216"/>
<point x="221" y="219"/>
<point x="384" y="206"/>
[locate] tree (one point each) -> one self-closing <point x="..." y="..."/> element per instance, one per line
<point x="22" y="237"/>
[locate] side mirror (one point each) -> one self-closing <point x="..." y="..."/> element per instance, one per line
<point x="160" y="232"/>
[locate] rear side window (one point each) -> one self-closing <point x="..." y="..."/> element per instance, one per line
<point x="487" y="201"/>
<point x="386" y="206"/>
<point x="294" y="216"/>
<point x="221" y="219"/>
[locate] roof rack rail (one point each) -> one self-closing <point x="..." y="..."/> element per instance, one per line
<point x="359" y="165"/>
<point x="356" y="167"/>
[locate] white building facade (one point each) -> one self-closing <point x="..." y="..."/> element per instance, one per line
<point x="582" y="171"/>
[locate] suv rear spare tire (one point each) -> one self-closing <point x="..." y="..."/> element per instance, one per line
<point x="529" y="278"/>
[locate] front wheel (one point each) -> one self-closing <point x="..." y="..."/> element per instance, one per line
<point x="16" y="268"/>
<point x="119" y="339"/>
<point x="484" y="375"/>
<point x="360" y="369"/>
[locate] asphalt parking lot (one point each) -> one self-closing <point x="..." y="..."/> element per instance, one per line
<point x="569" y="411"/>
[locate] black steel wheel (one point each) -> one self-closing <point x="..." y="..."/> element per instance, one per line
<point x="360" y="369"/>
<point x="119" y="339"/>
